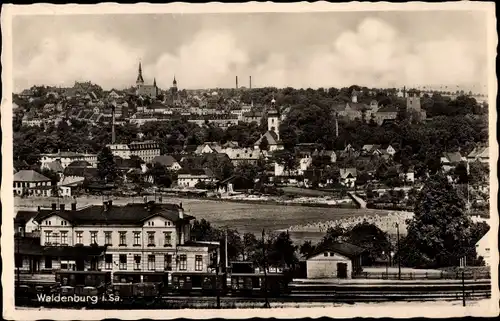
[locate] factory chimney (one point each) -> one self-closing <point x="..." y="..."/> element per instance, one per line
<point x="250" y="82"/>
<point x="236" y="82"/>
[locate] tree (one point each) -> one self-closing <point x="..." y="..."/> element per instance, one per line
<point x="371" y="238"/>
<point x="106" y="166"/>
<point x="307" y="248"/>
<point x="439" y="234"/>
<point x="264" y="144"/>
<point x="282" y="251"/>
<point x="460" y="173"/>
<point x="250" y="246"/>
<point x="333" y="234"/>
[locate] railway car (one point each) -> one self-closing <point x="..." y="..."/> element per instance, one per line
<point x="254" y="284"/>
<point x="202" y="283"/>
<point x="82" y="282"/>
<point x="134" y="284"/>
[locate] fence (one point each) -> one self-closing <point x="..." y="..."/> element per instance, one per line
<point x="468" y="275"/>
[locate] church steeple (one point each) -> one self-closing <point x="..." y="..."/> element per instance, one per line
<point x="174" y="82"/>
<point x="154" y="82"/>
<point x="140" y="80"/>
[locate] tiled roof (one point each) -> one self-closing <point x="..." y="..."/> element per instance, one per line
<point x="24" y="216"/>
<point x="80" y="171"/>
<point x="79" y="163"/>
<point x="343" y="248"/>
<point x="196" y="172"/>
<point x="166" y="160"/>
<point x="453" y="157"/>
<point x="130" y="214"/>
<point x="388" y="109"/>
<point x="345" y="172"/>
<point x="29" y="176"/>
<point x="55" y="166"/>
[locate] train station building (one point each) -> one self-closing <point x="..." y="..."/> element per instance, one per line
<point x="133" y="237"/>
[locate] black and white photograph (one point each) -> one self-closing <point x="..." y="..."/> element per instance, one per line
<point x="279" y="159"/>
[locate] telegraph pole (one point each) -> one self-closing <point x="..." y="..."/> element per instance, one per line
<point x="399" y="254"/>
<point x="217" y="265"/>
<point x="266" y="304"/>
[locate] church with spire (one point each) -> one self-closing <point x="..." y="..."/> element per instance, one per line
<point x="145" y="90"/>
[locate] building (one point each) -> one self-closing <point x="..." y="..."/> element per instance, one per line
<point x="134" y="237"/>
<point x="168" y="161"/>
<point x="481" y="154"/>
<point x="24" y="222"/>
<point x="66" y="157"/>
<point x="483" y="247"/>
<point x="272" y="135"/>
<point x="145" y="90"/>
<point x="120" y="150"/>
<point x="145" y="150"/>
<point x="29" y="182"/>
<point x="348" y="176"/>
<point x="334" y="261"/>
<point x="190" y="177"/>
<point x="242" y="155"/>
<point x="451" y="160"/>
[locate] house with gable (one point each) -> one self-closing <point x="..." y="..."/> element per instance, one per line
<point x="451" y="160"/>
<point x="133" y="237"/>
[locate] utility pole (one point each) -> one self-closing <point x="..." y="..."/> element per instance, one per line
<point x="462" y="265"/>
<point x="266" y="304"/>
<point x="399" y="254"/>
<point x="217" y="265"/>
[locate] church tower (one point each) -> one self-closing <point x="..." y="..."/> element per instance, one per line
<point x="273" y="120"/>
<point x="174" y="86"/>
<point x="140" y="81"/>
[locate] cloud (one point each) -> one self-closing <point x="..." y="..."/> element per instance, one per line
<point x="374" y="53"/>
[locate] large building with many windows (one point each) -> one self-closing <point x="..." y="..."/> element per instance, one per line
<point x="134" y="237"/>
<point x="145" y="150"/>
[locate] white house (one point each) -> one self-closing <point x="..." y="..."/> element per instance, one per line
<point x="334" y="261"/>
<point x="189" y="178"/>
<point x="483" y="247"/>
<point x="348" y="176"/>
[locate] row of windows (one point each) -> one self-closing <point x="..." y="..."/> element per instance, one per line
<point x="151" y="259"/>
<point x="55" y="238"/>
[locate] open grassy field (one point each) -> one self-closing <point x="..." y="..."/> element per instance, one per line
<point x="245" y="217"/>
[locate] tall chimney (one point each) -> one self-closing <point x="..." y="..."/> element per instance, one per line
<point x="336" y="126"/>
<point x="113" y="135"/>
<point x="236" y="82"/>
<point x="61" y="206"/>
<point x="73" y="206"/>
<point x="250" y="82"/>
<point x="54" y="206"/>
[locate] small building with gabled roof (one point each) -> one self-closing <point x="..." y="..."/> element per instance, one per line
<point x="29" y="182"/>
<point x="339" y="260"/>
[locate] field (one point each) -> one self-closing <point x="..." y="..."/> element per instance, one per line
<point x="245" y="217"/>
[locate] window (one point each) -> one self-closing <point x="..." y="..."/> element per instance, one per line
<point x="123" y="239"/>
<point x="55" y="238"/>
<point x="123" y="262"/>
<point x="108" y="261"/>
<point x="48" y="262"/>
<point x="183" y="262"/>
<point x="151" y="262"/>
<point x="137" y="238"/>
<point x="47" y="237"/>
<point x="64" y="238"/>
<point x="325" y="254"/>
<point x="79" y="237"/>
<point x="107" y="238"/>
<point x="151" y="238"/>
<point x="137" y="262"/>
<point x="167" y="223"/>
<point x="93" y="237"/>
<point x="168" y="238"/>
<point x="198" y="263"/>
<point x="168" y="262"/>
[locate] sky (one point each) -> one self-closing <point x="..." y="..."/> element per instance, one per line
<point x="301" y="50"/>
